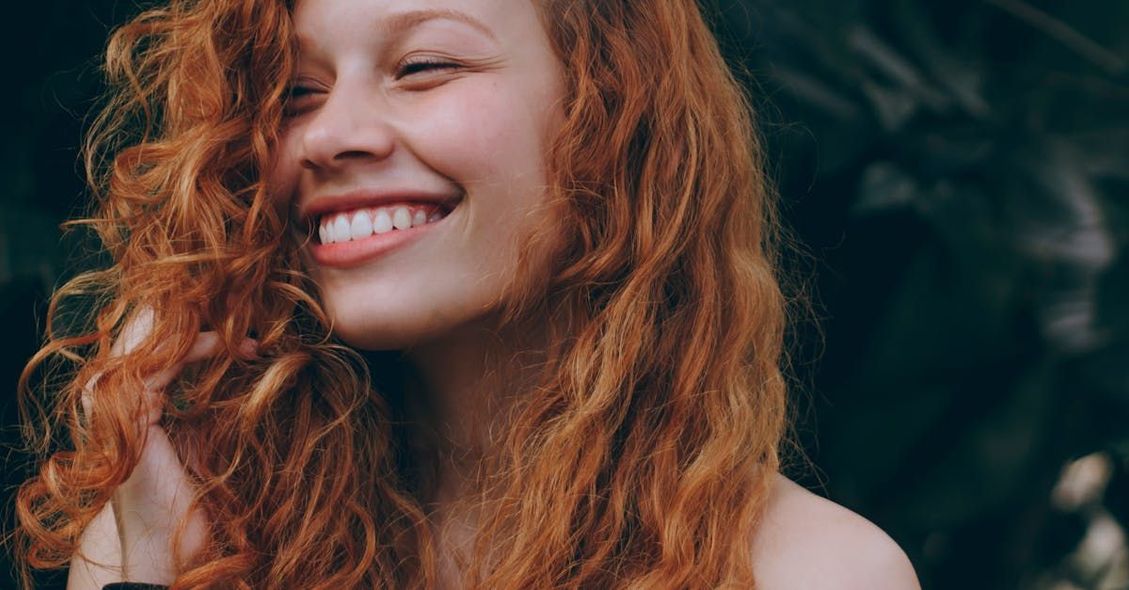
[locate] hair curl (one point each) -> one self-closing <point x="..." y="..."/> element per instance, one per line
<point x="641" y="459"/>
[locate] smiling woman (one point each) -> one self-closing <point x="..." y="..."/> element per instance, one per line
<point x="474" y="293"/>
<point x="444" y="117"/>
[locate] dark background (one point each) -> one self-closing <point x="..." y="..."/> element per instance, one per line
<point x="956" y="172"/>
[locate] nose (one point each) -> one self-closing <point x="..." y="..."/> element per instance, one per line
<point x="349" y="128"/>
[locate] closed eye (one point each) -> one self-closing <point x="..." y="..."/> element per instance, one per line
<point x="297" y="99"/>
<point x="298" y="93"/>
<point x="424" y="64"/>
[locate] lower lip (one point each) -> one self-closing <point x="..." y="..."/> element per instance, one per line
<point x="357" y="252"/>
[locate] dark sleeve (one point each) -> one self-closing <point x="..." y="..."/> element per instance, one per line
<point x="133" y="586"/>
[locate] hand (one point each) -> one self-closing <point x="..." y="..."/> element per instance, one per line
<point x="148" y="506"/>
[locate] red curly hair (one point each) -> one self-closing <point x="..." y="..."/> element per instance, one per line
<point x="641" y="459"/>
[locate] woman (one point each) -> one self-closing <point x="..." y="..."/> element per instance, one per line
<point x="435" y="294"/>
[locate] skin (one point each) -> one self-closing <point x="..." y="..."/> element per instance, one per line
<point x="366" y="115"/>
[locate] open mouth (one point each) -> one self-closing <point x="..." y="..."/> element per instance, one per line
<point x="349" y="226"/>
<point x="355" y="236"/>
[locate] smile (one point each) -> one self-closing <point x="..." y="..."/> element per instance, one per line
<point x="349" y="226"/>
<point x="350" y="238"/>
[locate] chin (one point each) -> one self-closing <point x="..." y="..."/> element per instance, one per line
<point x="389" y="329"/>
<point x="382" y="334"/>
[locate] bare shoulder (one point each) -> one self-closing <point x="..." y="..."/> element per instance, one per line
<point x="811" y="543"/>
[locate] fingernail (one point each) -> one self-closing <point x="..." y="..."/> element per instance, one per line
<point x="249" y="347"/>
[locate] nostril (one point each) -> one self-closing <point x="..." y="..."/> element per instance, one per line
<point x="354" y="155"/>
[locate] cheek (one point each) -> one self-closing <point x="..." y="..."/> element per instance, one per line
<point x="483" y="133"/>
<point x="283" y="175"/>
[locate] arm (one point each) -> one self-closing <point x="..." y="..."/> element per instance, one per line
<point x="131" y="537"/>
<point x="99" y="557"/>
<point x="96" y="565"/>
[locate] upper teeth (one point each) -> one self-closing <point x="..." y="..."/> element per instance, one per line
<point x="355" y="225"/>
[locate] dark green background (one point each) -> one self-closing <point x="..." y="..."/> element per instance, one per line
<point x="956" y="171"/>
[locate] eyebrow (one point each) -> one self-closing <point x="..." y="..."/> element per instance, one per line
<point x="406" y="20"/>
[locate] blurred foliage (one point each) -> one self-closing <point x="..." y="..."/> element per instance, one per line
<point x="957" y="171"/>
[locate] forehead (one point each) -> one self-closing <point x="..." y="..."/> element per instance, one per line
<point x="375" y="18"/>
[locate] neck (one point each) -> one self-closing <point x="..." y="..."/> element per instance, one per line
<point x="467" y="384"/>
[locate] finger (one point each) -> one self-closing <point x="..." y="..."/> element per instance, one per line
<point x="206" y="345"/>
<point x="136" y="330"/>
<point x="209" y="344"/>
<point x="140" y="327"/>
<point x="88" y="399"/>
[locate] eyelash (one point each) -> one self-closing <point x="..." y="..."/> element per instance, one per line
<point x="296" y="92"/>
<point x="408" y="68"/>
<point x="423" y="64"/>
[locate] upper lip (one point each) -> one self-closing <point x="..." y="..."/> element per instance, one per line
<point x="357" y="199"/>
